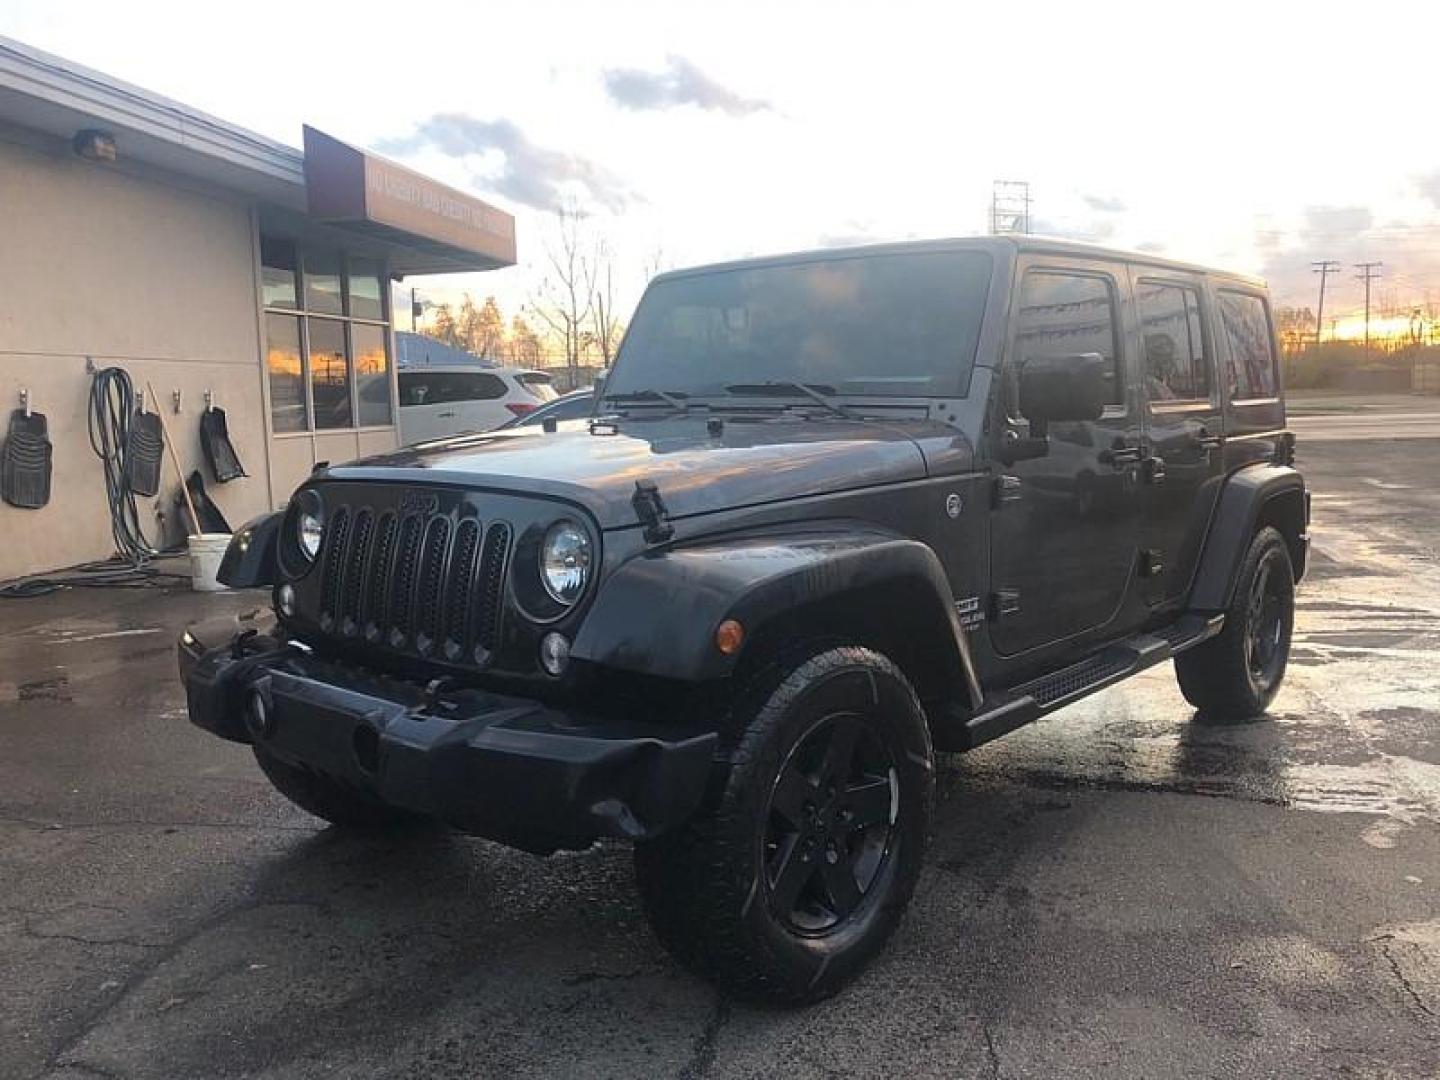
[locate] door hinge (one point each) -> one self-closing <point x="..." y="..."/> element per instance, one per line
<point x="1005" y="603"/>
<point x="1007" y="489"/>
<point x="1152" y="562"/>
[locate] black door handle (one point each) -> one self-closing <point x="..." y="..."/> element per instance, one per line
<point x="1204" y="439"/>
<point x="1121" y="456"/>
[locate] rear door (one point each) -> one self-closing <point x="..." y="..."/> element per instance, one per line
<point x="1184" y="460"/>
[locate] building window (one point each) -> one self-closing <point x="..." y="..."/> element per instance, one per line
<point x="326" y="339"/>
<point x="1252" y="354"/>
<point x="1175" y="364"/>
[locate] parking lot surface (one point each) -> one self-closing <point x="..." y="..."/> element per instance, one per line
<point x="1116" y="890"/>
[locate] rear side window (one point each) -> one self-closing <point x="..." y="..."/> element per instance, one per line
<point x="1065" y="314"/>
<point x="1176" y="368"/>
<point x="448" y="387"/>
<point x="1246" y="320"/>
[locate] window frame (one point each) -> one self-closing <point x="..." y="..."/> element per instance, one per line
<point x="1207" y="343"/>
<point x="1108" y="276"/>
<point x="304" y="314"/>
<point x="1264" y="299"/>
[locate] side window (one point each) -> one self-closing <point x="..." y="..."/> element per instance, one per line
<point x="415" y="389"/>
<point x="479" y="387"/>
<point x="1176" y="368"/>
<point x="1246" y="320"/>
<point x="1063" y="314"/>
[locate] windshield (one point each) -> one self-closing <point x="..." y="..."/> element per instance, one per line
<point x="903" y="325"/>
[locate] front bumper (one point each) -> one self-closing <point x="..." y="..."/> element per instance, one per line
<point x="506" y="768"/>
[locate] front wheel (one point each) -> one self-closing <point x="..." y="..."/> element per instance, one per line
<point x="789" y="886"/>
<point x="1236" y="674"/>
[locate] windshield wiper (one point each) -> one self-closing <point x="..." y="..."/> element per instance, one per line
<point x="814" y="391"/>
<point x="675" y="398"/>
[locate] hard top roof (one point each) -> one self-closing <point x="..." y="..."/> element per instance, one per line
<point x="1009" y="245"/>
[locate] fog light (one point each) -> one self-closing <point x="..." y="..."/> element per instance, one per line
<point x="554" y="653"/>
<point x="285" y="599"/>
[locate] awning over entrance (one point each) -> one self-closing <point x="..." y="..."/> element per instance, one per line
<point x="432" y="228"/>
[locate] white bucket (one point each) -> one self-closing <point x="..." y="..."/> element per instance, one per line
<point x="206" y="551"/>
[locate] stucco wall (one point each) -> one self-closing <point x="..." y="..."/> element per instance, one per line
<point x="135" y="272"/>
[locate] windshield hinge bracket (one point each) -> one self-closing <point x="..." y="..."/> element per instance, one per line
<point x="650" y="509"/>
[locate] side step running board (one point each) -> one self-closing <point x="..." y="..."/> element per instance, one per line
<point x="1005" y="710"/>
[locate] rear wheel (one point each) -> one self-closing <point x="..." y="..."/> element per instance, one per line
<point x="1236" y="674"/>
<point x="329" y="799"/>
<point x="793" y="882"/>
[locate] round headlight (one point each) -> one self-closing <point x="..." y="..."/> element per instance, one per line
<point x="309" y="525"/>
<point x="565" y="561"/>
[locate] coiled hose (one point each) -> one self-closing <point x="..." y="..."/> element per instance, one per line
<point x="112" y="404"/>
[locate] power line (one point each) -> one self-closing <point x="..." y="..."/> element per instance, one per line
<point x="1367" y="274"/>
<point x="1325" y="267"/>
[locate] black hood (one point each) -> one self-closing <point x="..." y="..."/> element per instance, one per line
<point x="749" y="462"/>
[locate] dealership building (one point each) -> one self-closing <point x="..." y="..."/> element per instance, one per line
<point x="213" y="265"/>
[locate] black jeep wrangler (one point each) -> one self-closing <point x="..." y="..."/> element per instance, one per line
<point x="833" y="513"/>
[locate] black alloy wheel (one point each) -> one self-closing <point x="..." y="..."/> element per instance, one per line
<point x="791" y="879"/>
<point x="831" y="824"/>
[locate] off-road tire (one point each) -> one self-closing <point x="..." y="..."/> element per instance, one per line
<point x="706" y="887"/>
<point x="1221" y="677"/>
<point x="331" y="800"/>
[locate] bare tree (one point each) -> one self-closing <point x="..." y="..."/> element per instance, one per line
<point x="565" y="300"/>
<point x="607" y="329"/>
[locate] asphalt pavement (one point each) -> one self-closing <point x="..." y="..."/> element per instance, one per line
<point x="1117" y="890"/>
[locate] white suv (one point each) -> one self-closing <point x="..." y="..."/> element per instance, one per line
<point x="452" y="399"/>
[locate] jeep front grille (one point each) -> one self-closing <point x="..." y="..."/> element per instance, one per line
<point x="424" y="583"/>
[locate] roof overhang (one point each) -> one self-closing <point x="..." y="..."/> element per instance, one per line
<point x="434" y="228"/>
<point x="422" y="226"/>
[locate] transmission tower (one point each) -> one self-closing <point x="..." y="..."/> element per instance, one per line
<point x="1010" y="207"/>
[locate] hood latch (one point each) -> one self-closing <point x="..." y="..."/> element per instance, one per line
<point x="650" y="509"/>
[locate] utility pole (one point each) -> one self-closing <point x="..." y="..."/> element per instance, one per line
<point x="1324" y="268"/>
<point x="1367" y="274"/>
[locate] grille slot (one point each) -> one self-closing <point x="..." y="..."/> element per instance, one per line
<point x="425" y="583"/>
<point x="334" y="567"/>
<point x="462" y="586"/>
<point x="491" y="588"/>
<point x="354" y="573"/>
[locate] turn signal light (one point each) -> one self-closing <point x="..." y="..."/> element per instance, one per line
<point x="729" y="636"/>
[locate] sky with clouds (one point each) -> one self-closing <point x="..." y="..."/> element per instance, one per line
<point x="1254" y="136"/>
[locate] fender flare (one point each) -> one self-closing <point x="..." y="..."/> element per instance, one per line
<point x="1252" y="496"/>
<point x="252" y="559"/>
<point x="657" y="613"/>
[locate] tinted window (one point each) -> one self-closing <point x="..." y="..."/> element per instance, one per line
<point x="329" y="373"/>
<point x="1252" y="357"/>
<point x="364" y="282"/>
<point x="277" y="272"/>
<point x="1176" y="368"/>
<point x="876" y="324"/>
<point x="322" y="283"/>
<point x="440" y="387"/>
<point x="372" y="373"/>
<point x="287" y="375"/>
<point x="1065" y="314"/>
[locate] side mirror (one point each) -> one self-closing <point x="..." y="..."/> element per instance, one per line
<point x="1059" y="388"/>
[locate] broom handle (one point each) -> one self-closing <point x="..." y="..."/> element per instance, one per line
<point x="175" y="459"/>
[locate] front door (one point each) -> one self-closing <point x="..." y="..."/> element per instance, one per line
<point x="1184" y="465"/>
<point x="1066" y="524"/>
